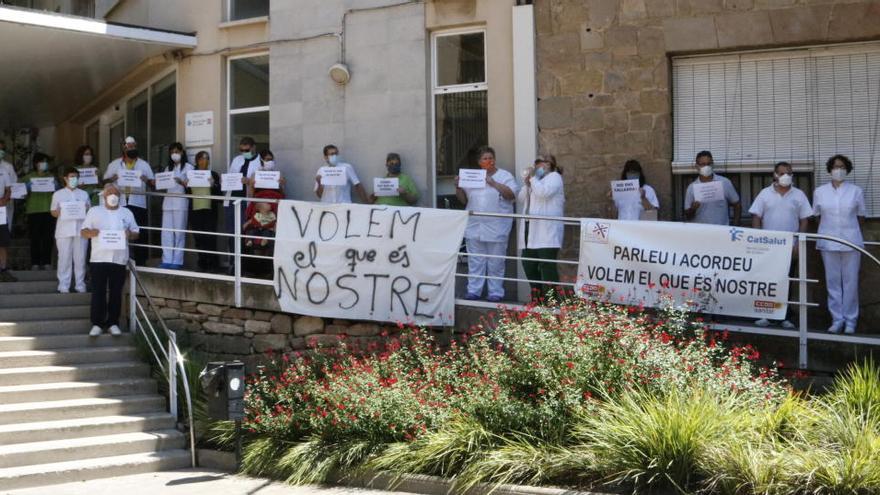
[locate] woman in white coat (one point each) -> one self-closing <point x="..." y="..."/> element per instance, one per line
<point x="175" y="210"/>
<point x="840" y="208"/>
<point x="542" y="194"/>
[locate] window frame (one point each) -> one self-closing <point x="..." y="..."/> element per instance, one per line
<point x="230" y="112"/>
<point x="228" y="13"/>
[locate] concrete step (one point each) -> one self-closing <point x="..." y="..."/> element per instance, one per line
<point x="46" y="342"/>
<point x="44" y="301"/>
<point x="56" y="410"/>
<point x="59" y="313"/>
<point x="45" y="327"/>
<point x="89" y="469"/>
<point x="23" y="454"/>
<point x="45" y="431"/>
<point x="81" y="372"/>
<point x="35" y="275"/>
<point x="16" y="394"/>
<point x="59" y="357"/>
<point x="34" y="287"/>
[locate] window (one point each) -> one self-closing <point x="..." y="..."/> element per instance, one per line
<point x="163" y="119"/>
<point x="248" y="93"/>
<point x="461" y="117"/>
<point x="246" y="9"/>
<point x="801" y="105"/>
<point x="93" y="140"/>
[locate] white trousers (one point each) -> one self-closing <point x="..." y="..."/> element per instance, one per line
<point x="72" y="260"/>
<point x="173" y="219"/>
<point x="842" y="278"/>
<point x="492" y="267"/>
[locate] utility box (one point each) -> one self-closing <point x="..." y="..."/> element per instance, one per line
<point x="223" y="384"/>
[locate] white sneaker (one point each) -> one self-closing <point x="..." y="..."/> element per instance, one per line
<point x="835" y="327"/>
<point x="763" y="322"/>
<point x="96" y="330"/>
<point x="788" y="325"/>
<point x="114" y="330"/>
<point x="850" y="330"/>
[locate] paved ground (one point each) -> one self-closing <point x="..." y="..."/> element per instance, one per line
<point x="189" y="482"/>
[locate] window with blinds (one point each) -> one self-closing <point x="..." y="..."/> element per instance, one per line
<point x="803" y="106"/>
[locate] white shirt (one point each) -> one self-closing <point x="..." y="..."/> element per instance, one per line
<point x="129" y="195"/>
<point x="544" y="197"/>
<point x="633" y="209"/>
<point x="340" y="194"/>
<point x="101" y="218"/>
<point x="237" y="166"/>
<point x="487" y="199"/>
<point x="7" y="169"/>
<point x="68" y="228"/>
<point x="714" y="212"/>
<point x="168" y="203"/>
<point x="838" y="209"/>
<point x="4" y="183"/>
<point x="781" y="211"/>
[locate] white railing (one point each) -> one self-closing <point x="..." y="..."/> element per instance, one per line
<point x="803" y="334"/>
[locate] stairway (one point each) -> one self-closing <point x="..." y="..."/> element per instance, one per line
<point x="73" y="407"/>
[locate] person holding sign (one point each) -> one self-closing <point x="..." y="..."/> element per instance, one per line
<point x="175" y="210"/>
<point x="8" y="170"/>
<point x="631" y="203"/>
<point x="69" y="207"/>
<point x="335" y="179"/>
<point x="204" y="216"/>
<point x="41" y="224"/>
<point x="5" y="237"/>
<point x="840" y="207"/>
<point x="131" y="167"/>
<point x="241" y="164"/>
<point x="110" y="228"/>
<point x="543" y="195"/>
<point x="267" y="164"/>
<point x="405" y="194"/>
<point x="706" y="202"/>
<point x="84" y="161"/>
<point x="781" y="206"/>
<point x="488" y="235"/>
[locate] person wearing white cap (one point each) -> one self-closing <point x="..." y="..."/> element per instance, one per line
<point x="71" y="245"/>
<point x="132" y="197"/>
<point x="108" y="263"/>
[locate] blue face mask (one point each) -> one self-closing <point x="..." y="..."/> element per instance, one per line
<point x="248" y="155"/>
<point x="394" y="169"/>
<point x="540" y="172"/>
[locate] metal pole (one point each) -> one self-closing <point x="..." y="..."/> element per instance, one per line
<point x="237" y="259"/>
<point x="132" y="301"/>
<point x="237" y="445"/>
<point x="802" y="299"/>
<point x="172" y="375"/>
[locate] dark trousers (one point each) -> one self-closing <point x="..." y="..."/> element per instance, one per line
<point x="139" y="254"/>
<point x="107" y="282"/>
<point x="541" y="271"/>
<point x="41" y="228"/>
<point x="206" y="221"/>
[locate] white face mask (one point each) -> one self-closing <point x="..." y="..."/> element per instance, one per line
<point x="269" y="164"/>
<point x="838" y="174"/>
<point x="112" y="200"/>
<point x="87" y="159"/>
<point x="785" y="180"/>
<point x="175" y="157"/>
<point x="43" y="166"/>
<point x="706" y="170"/>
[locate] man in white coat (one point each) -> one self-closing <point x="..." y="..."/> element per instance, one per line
<point x="69" y="206"/>
<point x="132" y="197"/>
<point x="8" y="170"/>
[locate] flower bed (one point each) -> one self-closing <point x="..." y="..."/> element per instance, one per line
<point x="589" y="396"/>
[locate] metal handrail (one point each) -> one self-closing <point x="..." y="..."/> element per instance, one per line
<point x="173" y="355"/>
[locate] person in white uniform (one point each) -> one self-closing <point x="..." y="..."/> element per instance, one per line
<point x="635" y="209"/>
<point x="339" y="194"/>
<point x="108" y="260"/>
<point x="7" y="169"/>
<point x="175" y="210"/>
<point x="132" y="197"/>
<point x="782" y="206"/>
<point x="72" y="247"/>
<point x="714" y="212"/>
<point x="542" y="194"/>
<point x="488" y="235"/>
<point x="241" y="164"/>
<point x="840" y="208"/>
<point x="5" y="240"/>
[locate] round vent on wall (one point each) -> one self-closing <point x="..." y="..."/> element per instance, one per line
<point x="340" y="74"/>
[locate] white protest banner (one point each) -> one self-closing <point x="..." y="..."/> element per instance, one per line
<point x="231" y="182"/>
<point x="19" y="190"/>
<point x="198" y="178"/>
<point x="110" y="240"/>
<point x="709" y="268"/>
<point x="42" y="184"/>
<point x="130" y="178"/>
<point x="88" y="176"/>
<point x="706" y="192"/>
<point x="333" y="176"/>
<point x="267" y="179"/>
<point x="2" y="215"/>
<point x="364" y="262"/>
<point x="73" y="210"/>
<point x="164" y="180"/>
<point x="386" y="186"/>
<point x="469" y="178"/>
<point x="625" y="191"/>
